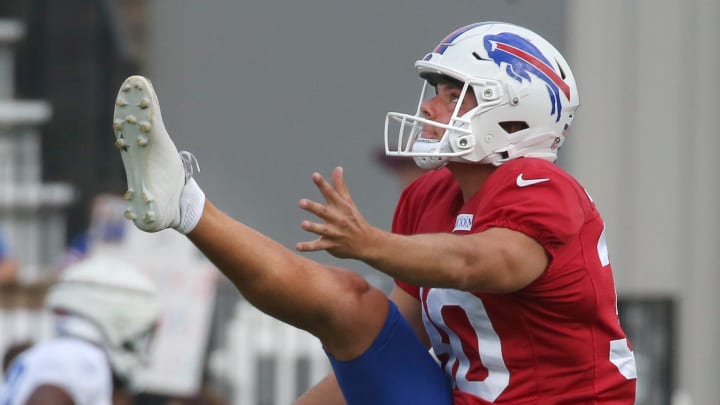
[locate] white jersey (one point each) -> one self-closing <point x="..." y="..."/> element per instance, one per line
<point x="80" y="368"/>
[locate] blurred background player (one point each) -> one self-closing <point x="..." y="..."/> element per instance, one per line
<point x="104" y="315"/>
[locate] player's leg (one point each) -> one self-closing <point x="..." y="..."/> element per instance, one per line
<point x="337" y="306"/>
<point x="396" y="366"/>
<point x="290" y="287"/>
<point x="374" y="352"/>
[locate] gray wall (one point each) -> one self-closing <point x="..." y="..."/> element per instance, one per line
<point x="266" y="92"/>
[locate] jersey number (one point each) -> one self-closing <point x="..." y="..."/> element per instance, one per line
<point x="447" y="318"/>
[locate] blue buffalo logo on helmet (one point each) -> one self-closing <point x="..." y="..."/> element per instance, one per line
<point x="523" y="59"/>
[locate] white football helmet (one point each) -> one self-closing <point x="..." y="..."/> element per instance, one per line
<point x="516" y="77"/>
<point x="109" y="303"/>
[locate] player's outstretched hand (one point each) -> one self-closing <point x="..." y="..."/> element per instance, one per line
<point x="344" y="232"/>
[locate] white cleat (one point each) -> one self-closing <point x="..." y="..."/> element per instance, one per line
<point x="155" y="170"/>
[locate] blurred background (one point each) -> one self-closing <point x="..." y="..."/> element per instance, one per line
<point x="266" y="92"/>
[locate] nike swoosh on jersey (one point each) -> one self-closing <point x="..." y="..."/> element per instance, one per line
<point x="527" y="182"/>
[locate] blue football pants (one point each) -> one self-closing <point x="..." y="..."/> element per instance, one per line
<point x="395" y="370"/>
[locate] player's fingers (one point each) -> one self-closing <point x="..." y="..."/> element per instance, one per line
<point x="327" y="191"/>
<point x="315" y="245"/>
<point x="318" y="229"/>
<point x="338" y="180"/>
<point x="315" y="208"/>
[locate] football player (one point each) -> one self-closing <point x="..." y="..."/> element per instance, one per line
<point x="499" y="255"/>
<point x="509" y="279"/>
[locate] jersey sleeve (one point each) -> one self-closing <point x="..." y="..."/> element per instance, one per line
<point x="546" y="208"/>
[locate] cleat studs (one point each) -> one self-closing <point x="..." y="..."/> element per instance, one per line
<point x="144" y="103"/>
<point x="131" y="119"/>
<point x="128" y="195"/>
<point x="145" y="197"/>
<point x="126" y="88"/>
<point x="142" y="140"/>
<point x="121" y="102"/>
<point x="121" y="144"/>
<point x="138" y="85"/>
<point x="117" y="124"/>
<point x="129" y="214"/>
<point x="149" y="217"/>
<point x="145" y="126"/>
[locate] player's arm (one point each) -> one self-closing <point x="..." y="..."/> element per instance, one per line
<point x="327" y="391"/>
<point x="49" y="395"/>
<point x="497" y="260"/>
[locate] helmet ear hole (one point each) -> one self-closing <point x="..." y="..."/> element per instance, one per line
<point x="513" y="126"/>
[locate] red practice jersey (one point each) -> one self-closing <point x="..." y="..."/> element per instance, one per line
<point x="556" y="341"/>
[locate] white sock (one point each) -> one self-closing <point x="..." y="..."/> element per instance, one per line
<point x="192" y="203"/>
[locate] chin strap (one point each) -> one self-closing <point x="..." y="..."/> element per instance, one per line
<point x="429" y="146"/>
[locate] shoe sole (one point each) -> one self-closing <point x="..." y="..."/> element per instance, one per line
<point x="133" y="126"/>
